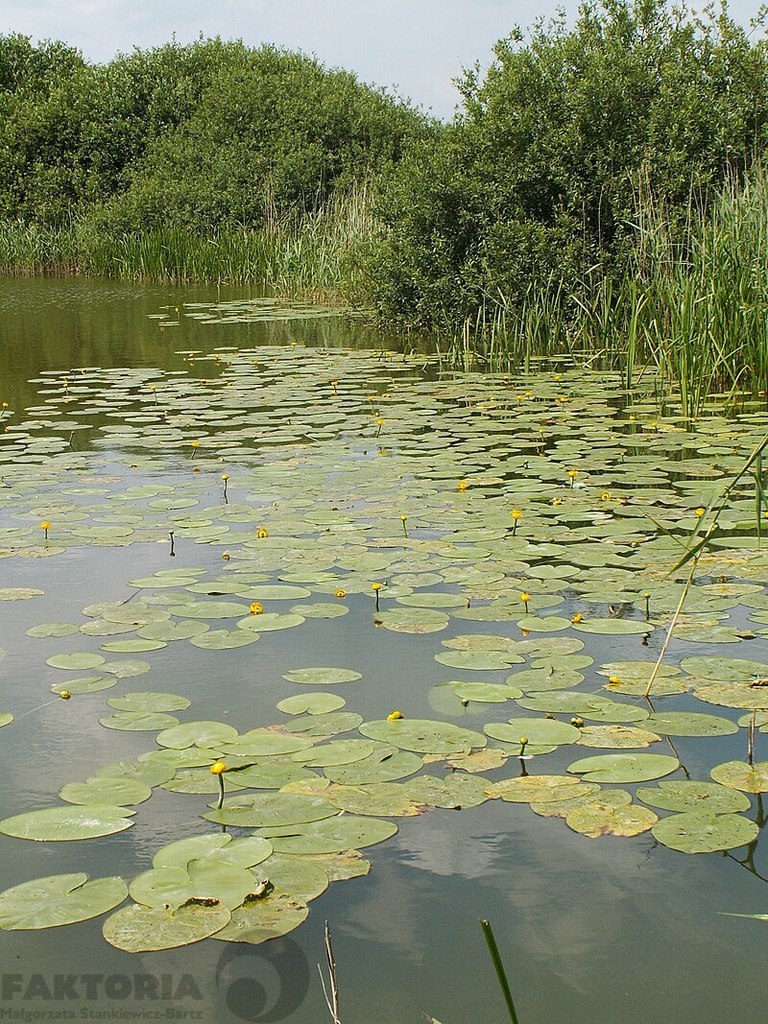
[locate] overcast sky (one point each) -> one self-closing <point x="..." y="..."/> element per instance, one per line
<point x="417" y="46"/>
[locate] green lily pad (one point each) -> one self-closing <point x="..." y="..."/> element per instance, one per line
<point x="697" y="832"/>
<point x="322" y="676"/>
<point x="595" y="819"/>
<point x="486" y="693"/>
<point x="262" y="919"/>
<point x="145" y="929"/>
<point x="624" y="767"/>
<point x="423" y="736"/>
<point x="198" y="734"/>
<point x="612" y="627"/>
<point x="149" y="700"/>
<point x="530" y="788"/>
<point x="311" y="704"/>
<point x="546" y="731"/>
<point x="139" y="721"/>
<point x="335" y="753"/>
<point x="543" y="624"/>
<point x="85" y="684"/>
<point x="262" y="810"/>
<point x="343" y="832"/>
<point x="58" y="900"/>
<point x="104" y="790"/>
<point x="224" y="639"/>
<point x="692" y="795"/>
<point x="78" y="660"/>
<point x="388" y="799"/>
<point x="689" y="723"/>
<point x="749" y="778"/>
<point x="60" y="824"/>
<point x="5" y="718"/>
<point x="56" y="629"/>
<point x="616" y="736"/>
<point x="269" y="621"/>
<point x="451" y="791"/>
<point x="384" y="765"/>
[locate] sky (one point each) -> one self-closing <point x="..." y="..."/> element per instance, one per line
<point x="414" y="46"/>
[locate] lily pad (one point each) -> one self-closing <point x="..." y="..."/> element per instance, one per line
<point x="322" y="676"/>
<point x="262" y="919"/>
<point x="311" y="704"/>
<point x="692" y="795"/>
<point x="749" y="778"/>
<point x="59" y="824"/>
<point x="624" y="767"/>
<point x="58" y="900"/>
<point x="139" y="929"/>
<point x="697" y="832"/>
<point x="595" y="819"/>
<point x="344" y="832"/>
<point x="689" y="723"/>
<point x="264" y="810"/>
<point x="423" y="736"/>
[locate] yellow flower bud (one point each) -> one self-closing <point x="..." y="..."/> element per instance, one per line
<point x="218" y="768"/>
<point x="394" y="716"/>
<point x="65" y="694"/>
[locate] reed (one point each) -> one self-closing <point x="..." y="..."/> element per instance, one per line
<point x="692" y="304"/>
<point x="316" y="255"/>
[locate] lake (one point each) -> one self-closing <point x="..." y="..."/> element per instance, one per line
<point x="238" y="490"/>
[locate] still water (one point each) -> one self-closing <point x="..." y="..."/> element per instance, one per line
<point x="590" y="930"/>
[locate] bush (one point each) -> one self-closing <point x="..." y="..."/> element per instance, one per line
<point x="537" y="180"/>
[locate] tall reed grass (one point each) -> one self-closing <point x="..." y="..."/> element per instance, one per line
<point x="692" y="305"/>
<point x="315" y="256"/>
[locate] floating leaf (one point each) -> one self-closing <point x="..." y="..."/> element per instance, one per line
<point x="696" y="832"/>
<point x="749" y="778"/>
<point x="624" y="767"/>
<point x="389" y="799"/>
<point x="322" y="676"/>
<point x="138" y="721"/>
<point x="423" y="736"/>
<point x="264" y="810"/>
<point x="198" y="734"/>
<point x="595" y="819"/>
<point x="692" y="795"/>
<point x="105" y="790"/>
<point x="689" y="723"/>
<point x="149" y="701"/>
<point x="311" y="704"/>
<point x="144" y="929"/>
<point x="344" y="832"/>
<point x="78" y="660"/>
<point x="386" y="764"/>
<point x="58" y="900"/>
<point x="546" y="731"/>
<point x="451" y="791"/>
<point x="262" y="919"/>
<point x="59" y="824"/>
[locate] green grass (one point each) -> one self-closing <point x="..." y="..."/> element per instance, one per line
<point x="315" y="257"/>
<point x="692" y="307"/>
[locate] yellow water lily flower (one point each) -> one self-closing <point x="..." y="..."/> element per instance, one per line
<point x="261" y="533"/>
<point x="340" y="593"/>
<point x="394" y="716"/>
<point x="218" y="768"/>
<point x="516" y="513"/>
<point x="525" y="597"/>
<point x="65" y="694"/>
<point x="462" y="485"/>
<point x="256" y="608"/>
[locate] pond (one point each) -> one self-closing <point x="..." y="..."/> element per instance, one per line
<point x="401" y="606"/>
